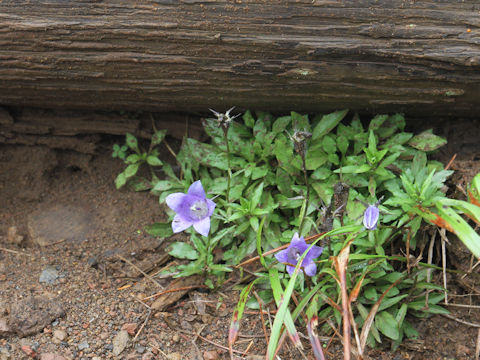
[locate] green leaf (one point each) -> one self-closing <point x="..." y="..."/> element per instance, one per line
<point x="462" y="229"/>
<point x="377" y="122"/>
<point x="163" y="185"/>
<point x="158" y="137"/>
<point x="182" y="250"/>
<point x="131" y="170"/>
<point x="120" y="180"/>
<point x="259" y="172"/>
<point x="327" y="123"/>
<point x="248" y="119"/>
<point x="342" y="144"/>
<point x="154" y="161"/>
<point x="132" y="142"/>
<point x="353" y="169"/>
<point x="256" y="196"/>
<point x="389" y="302"/>
<point x="211" y="156"/>
<point x="427" y="141"/>
<point x="299" y="121"/>
<point x="387" y="325"/>
<point x="315" y="158"/>
<point x="280" y="125"/>
<point x="329" y="144"/>
<point x="162" y="230"/>
<point x="133" y="158"/>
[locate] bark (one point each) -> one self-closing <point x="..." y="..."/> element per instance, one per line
<point x="420" y="57"/>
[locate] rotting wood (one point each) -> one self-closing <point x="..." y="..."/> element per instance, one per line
<point x="421" y="57"/>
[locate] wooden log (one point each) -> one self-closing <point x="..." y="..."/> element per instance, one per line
<point x="419" y="57"/>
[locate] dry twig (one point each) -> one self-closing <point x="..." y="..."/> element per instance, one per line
<point x="140" y="270"/>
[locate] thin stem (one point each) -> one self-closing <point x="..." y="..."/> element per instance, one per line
<point x="225" y="133"/>
<point x="304" y="166"/>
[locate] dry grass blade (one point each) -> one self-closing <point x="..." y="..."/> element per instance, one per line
<point x="314" y="340"/>
<point x="371" y="316"/>
<point x="341" y="262"/>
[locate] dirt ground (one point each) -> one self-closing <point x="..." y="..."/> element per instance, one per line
<point x="76" y="268"/>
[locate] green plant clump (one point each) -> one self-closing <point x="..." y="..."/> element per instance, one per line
<point x="272" y="177"/>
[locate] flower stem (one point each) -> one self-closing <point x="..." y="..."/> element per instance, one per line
<point x="225" y="133"/>
<point x="305" y="176"/>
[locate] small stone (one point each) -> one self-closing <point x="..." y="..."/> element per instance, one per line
<point x="175" y="338"/>
<point x="130" y="328"/>
<point x="174" y="356"/>
<point x="32" y="314"/>
<point x="51" y="356"/>
<point x="148" y="356"/>
<point x="60" y="334"/>
<point x="96" y="358"/>
<point x="120" y="342"/>
<point x="29" y="351"/>
<point x="13" y="236"/>
<point x="462" y="350"/>
<point x="92" y="261"/>
<point x="49" y="275"/>
<point x="83" y="345"/>
<point x="210" y="355"/>
<point x="4" y="328"/>
<point x="140" y="349"/>
<point x="5" y="354"/>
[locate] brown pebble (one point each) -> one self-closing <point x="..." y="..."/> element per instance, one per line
<point x="131" y="328"/>
<point x="210" y="355"/>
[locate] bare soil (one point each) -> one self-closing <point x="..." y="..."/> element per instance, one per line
<point x="76" y="268"/>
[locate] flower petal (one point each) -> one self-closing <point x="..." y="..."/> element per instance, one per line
<point x="311" y="269"/>
<point x="282" y="256"/>
<point x="211" y="206"/>
<point x="370" y="217"/>
<point x="175" y="201"/>
<point x="291" y="270"/>
<point x="314" y="252"/>
<point x="180" y="224"/>
<point x="299" y="243"/>
<point x="202" y="226"/>
<point x="197" y="189"/>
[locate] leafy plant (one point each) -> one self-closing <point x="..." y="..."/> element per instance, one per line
<point x="136" y="158"/>
<point x="273" y="177"/>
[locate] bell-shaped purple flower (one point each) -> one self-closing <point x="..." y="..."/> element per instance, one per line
<point x="192" y="208"/>
<point x="292" y="254"/>
<point x="370" y="217"/>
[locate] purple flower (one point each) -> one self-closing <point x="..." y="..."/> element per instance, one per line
<point x="291" y="255"/>
<point x="192" y="208"/>
<point x="370" y="217"/>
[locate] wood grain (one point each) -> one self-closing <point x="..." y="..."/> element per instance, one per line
<point x="421" y="57"/>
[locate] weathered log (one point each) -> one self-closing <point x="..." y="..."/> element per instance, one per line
<point x="420" y="57"/>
